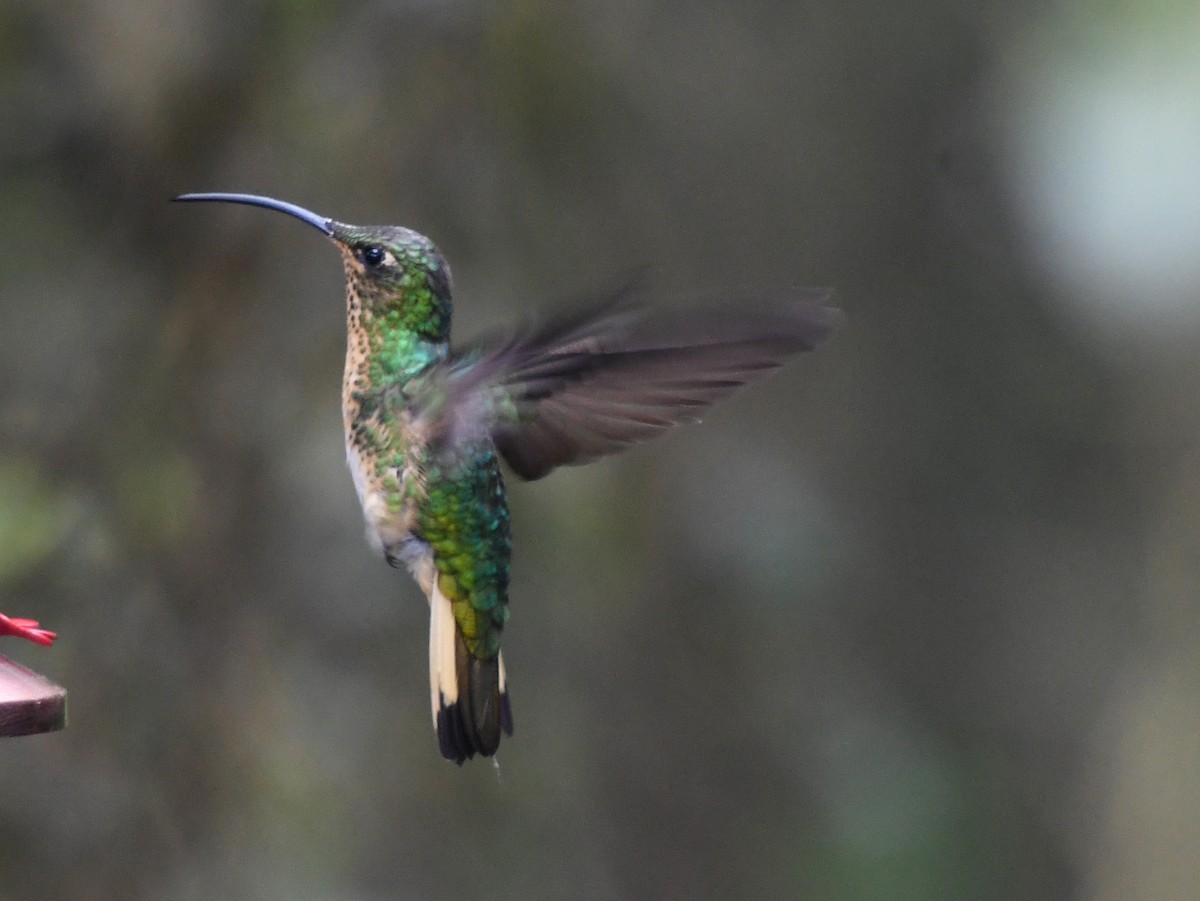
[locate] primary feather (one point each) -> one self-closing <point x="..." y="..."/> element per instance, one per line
<point x="592" y="384"/>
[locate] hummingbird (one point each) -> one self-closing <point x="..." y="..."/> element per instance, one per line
<point x="427" y="425"/>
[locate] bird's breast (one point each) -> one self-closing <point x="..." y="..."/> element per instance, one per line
<point x="379" y="456"/>
<point x="387" y="495"/>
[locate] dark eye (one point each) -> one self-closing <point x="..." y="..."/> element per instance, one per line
<point x="373" y="254"/>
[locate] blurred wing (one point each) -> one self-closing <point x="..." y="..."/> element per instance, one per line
<point x="588" y="386"/>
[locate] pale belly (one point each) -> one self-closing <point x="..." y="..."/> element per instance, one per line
<point x="388" y="527"/>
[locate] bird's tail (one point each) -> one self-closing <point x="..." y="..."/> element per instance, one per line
<point x="468" y="693"/>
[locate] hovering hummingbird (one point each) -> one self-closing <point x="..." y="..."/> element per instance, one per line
<point x="426" y="426"/>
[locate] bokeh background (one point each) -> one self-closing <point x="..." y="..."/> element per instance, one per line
<point x="915" y="619"/>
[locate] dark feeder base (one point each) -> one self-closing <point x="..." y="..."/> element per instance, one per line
<point x="29" y="703"/>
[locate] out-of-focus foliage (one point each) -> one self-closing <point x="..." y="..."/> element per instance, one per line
<point x="914" y="619"/>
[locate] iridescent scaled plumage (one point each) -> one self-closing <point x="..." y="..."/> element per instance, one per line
<point x="464" y="519"/>
<point x="427" y="425"/>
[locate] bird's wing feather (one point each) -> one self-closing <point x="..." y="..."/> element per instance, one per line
<point x="592" y="384"/>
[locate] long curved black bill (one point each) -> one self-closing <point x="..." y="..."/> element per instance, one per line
<point x="321" y="223"/>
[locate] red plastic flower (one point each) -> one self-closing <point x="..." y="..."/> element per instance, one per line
<point x="26" y="628"/>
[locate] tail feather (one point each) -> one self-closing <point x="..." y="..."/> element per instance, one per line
<point x="468" y="694"/>
<point x="506" y="722"/>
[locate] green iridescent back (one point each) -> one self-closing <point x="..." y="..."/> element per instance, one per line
<point x="465" y="520"/>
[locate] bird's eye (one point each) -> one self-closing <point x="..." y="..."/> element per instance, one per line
<point x="373" y="254"/>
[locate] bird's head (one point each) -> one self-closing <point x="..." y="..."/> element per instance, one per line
<point x="392" y="272"/>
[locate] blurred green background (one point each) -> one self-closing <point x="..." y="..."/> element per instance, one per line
<point x="915" y="619"/>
